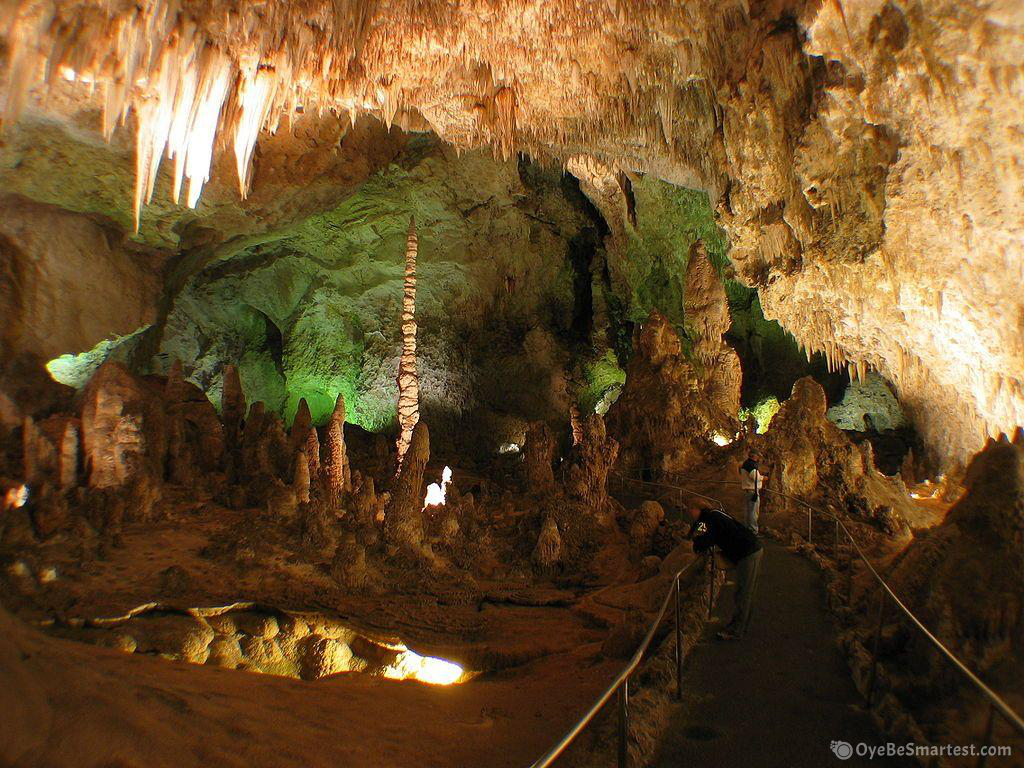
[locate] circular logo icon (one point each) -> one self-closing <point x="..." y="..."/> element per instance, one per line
<point x="842" y="749"/>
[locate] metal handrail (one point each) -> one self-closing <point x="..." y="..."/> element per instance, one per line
<point x="995" y="700"/>
<point x="620" y="684"/>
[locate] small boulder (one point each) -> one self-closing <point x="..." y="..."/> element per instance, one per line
<point x="323" y="656"/>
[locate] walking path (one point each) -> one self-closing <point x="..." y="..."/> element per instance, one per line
<point x="779" y="697"/>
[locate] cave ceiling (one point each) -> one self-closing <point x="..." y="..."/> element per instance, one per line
<point x="864" y="157"/>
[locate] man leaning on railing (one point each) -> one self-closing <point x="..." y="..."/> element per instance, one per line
<point x="740" y="547"/>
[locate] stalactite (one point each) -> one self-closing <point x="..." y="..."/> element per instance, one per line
<point x="408" y="379"/>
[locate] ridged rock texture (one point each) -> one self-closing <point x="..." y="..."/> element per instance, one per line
<point x="670" y="404"/>
<point x="408" y="378"/>
<point x="864" y="156"/>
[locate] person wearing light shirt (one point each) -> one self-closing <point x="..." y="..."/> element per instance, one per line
<point x="751" y="483"/>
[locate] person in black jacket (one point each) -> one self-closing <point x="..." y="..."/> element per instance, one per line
<point x="740" y="547"/>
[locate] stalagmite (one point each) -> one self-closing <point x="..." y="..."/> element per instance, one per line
<point x="300" y="426"/>
<point x="576" y="424"/>
<point x="301" y="483"/>
<point x="335" y="466"/>
<point x="232" y="404"/>
<point x="67" y="457"/>
<point x="403" y="517"/>
<point x="408" y="379"/>
<point x="312" y="451"/>
<point x="549" y="546"/>
<point x="538" y="454"/>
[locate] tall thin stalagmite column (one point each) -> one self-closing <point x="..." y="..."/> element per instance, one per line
<point x="408" y="379"/>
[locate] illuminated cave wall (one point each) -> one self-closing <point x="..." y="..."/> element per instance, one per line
<point x="314" y="309"/>
<point x="67" y="282"/>
<point x="522" y="309"/>
<point x="864" y="157"/>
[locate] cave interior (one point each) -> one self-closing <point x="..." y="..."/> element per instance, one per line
<point x="368" y="359"/>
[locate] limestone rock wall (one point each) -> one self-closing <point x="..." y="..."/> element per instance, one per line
<point x="317" y="311"/>
<point x="68" y="282"/>
<point x="881" y="228"/>
<point x="864" y="156"/>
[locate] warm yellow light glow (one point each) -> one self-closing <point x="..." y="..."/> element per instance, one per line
<point x="426" y="669"/>
<point x="435" y="496"/>
<point x="720" y="438"/>
<point x="436" y="493"/>
<point x="16" y="497"/>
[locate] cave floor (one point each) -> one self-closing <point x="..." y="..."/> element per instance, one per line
<point x="538" y="646"/>
<point x="71" y="704"/>
<point x="488" y="624"/>
<point x="780" y="696"/>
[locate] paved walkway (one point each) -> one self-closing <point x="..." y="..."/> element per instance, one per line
<point x="779" y="697"/>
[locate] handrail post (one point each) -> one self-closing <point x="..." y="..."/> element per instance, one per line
<point x="623" y="723"/>
<point x="711" y="582"/>
<point x="983" y="758"/>
<point x="810" y="529"/>
<point x="679" y="648"/>
<point x="877" y="645"/>
<point x="849" y="574"/>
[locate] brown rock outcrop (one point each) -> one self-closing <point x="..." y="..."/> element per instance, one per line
<point x="403" y="517"/>
<point x="963" y="578"/>
<point x="538" y="458"/>
<point x="669" y="406"/>
<point x="124" y="427"/>
<point x="807" y="456"/>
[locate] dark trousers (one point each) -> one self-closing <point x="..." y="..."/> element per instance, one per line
<point x="746" y="583"/>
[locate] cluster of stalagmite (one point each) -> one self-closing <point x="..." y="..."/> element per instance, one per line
<point x="852" y="149"/>
<point x="131" y="435"/>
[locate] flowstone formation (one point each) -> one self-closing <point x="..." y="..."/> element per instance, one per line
<point x="671" y="403"/>
<point x="806" y="456"/>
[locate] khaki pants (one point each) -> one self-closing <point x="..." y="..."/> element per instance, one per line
<point x="747" y="570"/>
<point x="753" y="507"/>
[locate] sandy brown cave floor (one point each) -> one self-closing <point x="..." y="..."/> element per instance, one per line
<point x="66" y="700"/>
<point x="484" y="626"/>
<point x="538" y="646"/>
